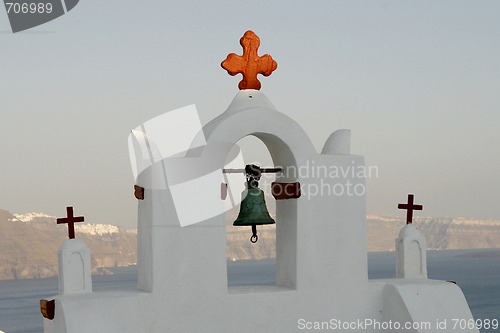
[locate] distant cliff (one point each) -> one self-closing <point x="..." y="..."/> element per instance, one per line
<point x="29" y="242"/>
<point x="29" y="245"/>
<point x="441" y="232"/>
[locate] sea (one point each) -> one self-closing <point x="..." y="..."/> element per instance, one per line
<point x="477" y="272"/>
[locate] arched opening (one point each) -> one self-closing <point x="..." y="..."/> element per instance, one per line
<point x="249" y="263"/>
<point x="289" y="148"/>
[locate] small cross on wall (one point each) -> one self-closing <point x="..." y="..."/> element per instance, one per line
<point x="70" y="220"/>
<point x="410" y="207"/>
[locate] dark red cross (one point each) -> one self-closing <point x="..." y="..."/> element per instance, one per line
<point x="70" y="220"/>
<point x="410" y="207"/>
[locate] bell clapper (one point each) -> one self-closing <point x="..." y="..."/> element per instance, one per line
<point x="254" y="237"/>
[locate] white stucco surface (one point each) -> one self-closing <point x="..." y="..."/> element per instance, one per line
<point x="321" y="247"/>
<point x="75" y="269"/>
<point x="411" y="253"/>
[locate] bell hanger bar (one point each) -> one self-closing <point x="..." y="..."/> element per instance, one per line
<point x="253" y="169"/>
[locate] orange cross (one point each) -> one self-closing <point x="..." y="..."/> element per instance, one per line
<point x="249" y="64"/>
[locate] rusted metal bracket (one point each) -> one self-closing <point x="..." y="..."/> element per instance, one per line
<point x="139" y="192"/>
<point x="283" y="191"/>
<point x="48" y="308"/>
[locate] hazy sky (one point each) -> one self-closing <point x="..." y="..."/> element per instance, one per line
<point x="417" y="82"/>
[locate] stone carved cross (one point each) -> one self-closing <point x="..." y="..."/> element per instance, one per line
<point x="249" y="64"/>
<point x="410" y="207"/>
<point x="70" y="220"/>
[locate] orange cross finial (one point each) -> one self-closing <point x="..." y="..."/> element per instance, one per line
<point x="249" y="64"/>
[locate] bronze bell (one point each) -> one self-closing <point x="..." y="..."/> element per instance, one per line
<point x="253" y="209"/>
